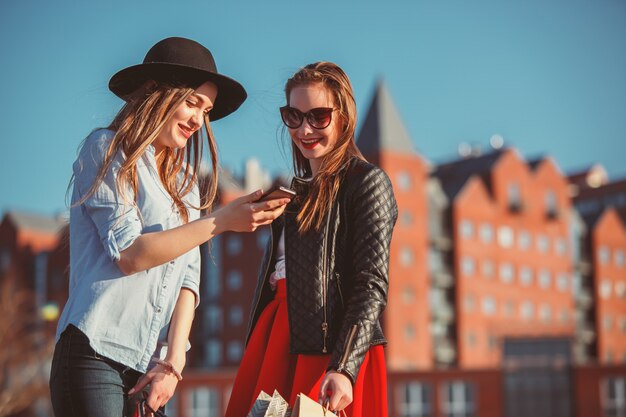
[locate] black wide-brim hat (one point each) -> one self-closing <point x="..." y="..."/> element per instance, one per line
<point x="182" y="62"/>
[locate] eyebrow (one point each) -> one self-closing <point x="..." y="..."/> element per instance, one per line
<point x="202" y="100"/>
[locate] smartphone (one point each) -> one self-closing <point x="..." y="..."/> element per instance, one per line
<point x="277" y="192"/>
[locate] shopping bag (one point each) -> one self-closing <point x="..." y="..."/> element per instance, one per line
<point x="266" y="406"/>
<point x="306" y="407"/>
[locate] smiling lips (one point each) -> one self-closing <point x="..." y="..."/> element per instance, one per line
<point x="187" y="132"/>
<point x="310" y="143"/>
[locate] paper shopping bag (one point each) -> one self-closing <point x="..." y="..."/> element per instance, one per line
<point x="306" y="407"/>
<point x="266" y="406"/>
<point x="260" y="405"/>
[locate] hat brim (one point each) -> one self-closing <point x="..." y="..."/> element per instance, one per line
<point x="230" y="94"/>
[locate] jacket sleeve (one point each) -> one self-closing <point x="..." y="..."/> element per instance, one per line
<point x="372" y="215"/>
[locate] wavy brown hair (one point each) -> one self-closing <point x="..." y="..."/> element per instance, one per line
<point x="325" y="184"/>
<point x="136" y="126"/>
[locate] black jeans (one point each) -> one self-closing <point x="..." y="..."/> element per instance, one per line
<point x="84" y="384"/>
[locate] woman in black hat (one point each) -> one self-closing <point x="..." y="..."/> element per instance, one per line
<point x="135" y="228"/>
<point x="323" y="284"/>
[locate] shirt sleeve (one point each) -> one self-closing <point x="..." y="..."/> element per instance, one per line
<point x="115" y="216"/>
<point x="191" y="280"/>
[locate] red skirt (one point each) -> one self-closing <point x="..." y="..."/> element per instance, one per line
<point x="267" y="365"/>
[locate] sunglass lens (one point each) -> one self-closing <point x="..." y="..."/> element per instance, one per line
<point x="291" y="117"/>
<point x="320" y="117"/>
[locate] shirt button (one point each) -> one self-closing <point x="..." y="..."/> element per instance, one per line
<point x="172" y="262"/>
<point x="164" y="286"/>
<point x="158" y="310"/>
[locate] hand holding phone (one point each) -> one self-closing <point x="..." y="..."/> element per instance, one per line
<point x="276" y="192"/>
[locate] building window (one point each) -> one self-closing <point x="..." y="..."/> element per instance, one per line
<point x="486" y="233"/>
<point x="458" y="399"/>
<point x="605" y="289"/>
<point x="514" y="196"/>
<point x="489" y="306"/>
<point x="262" y="236"/>
<point x="564" y="316"/>
<point x="524" y="240"/>
<point x="409" y="332"/>
<point x="234" y="280"/>
<point x="509" y="308"/>
<point x="607" y="322"/>
<point x="620" y="289"/>
<point x="527" y="310"/>
<point x="545" y="279"/>
<point x="622" y="324"/>
<point x="406" y="256"/>
<point x="471" y="339"/>
<point x="235" y="316"/>
<point x="466" y="229"/>
<point x="404" y="181"/>
<point x="619" y="258"/>
<point x="562" y="282"/>
<point x="507" y="274"/>
<point x="488" y="268"/>
<point x="543" y="243"/>
<point x="234" y="351"/>
<point x="545" y="313"/>
<point x="505" y="236"/>
<point x="469" y="303"/>
<point x="213" y="319"/>
<point x="604" y="254"/>
<point x="614" y="397"/>
<point x="408" y="295"/>
<point x="468" y="266"/>
<point x="492" y="341"/>
<point x="234" y="244"/>
<point x="551" y="204"/>
<point x="526" y="276"/>
<point x="202" y="402"/>
<point x="414" y="400"/>
<point x="406" y="218"/>
<point x="560" y="246"/>
<point x="212" y="353"/>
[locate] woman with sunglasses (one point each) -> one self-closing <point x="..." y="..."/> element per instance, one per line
<point x="314" y="324"/>
<point x="135" y="228"/>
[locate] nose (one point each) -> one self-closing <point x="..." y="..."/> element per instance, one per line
<point x="305" y="127"/>
<point x="197" y="119"/>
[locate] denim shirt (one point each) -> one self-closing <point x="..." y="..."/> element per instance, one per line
<point x="125" y="317"/>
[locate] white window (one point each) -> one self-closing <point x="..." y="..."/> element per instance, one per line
<point x="213" y="353"/>
<point x="622" y="324"/>
<point x="414" y="400"/>
<point x="614" y="396"/>
<point x="514" y="195"/>
<point x="235" y="315"/>
<point x="469" y="303"/>
<point x="545" y="279"/>
<point x="234" y="351"/>
<point x="489" y="306"/>
<point x="551" y="202"/>
<point x="488" y="268"/>
<point x="467" y="229"/>
<point x="619" y="258"/>
<point x="560" y="246"/>
<point x="406" y="218"/>
<point x="404" y="181"/>
<point x="543" y="243"/>
<point x="527" y="310"/>
<point x="202" y="402"/>
<point x="471" y="339"/>
<point x="458" y="399"/>
<point x="486" y="233"/>
<point x="234" y="280"/>
<point x="524" y="240"/>
<point x="212" y="319"/>
<point x="509" y="308"/>
<point x="526" y="276"/>
<point x="406" y="256"/>
<point x="234" y="244"/>
<point x="562" y="282"/>
<point x="607" y="322"/>
<point x="409" y="332"/>
<point x="605" y="289"/>
<point x="468" y="265"/>
<point x="564" y="316"/>
<point x="507" y="273"/>
<point x="408" y="295"/>
<point x="545" y="313"/>
<point x="604" y="254"/>
<point x="505" y="236"/>
<point x="620" y="289"/>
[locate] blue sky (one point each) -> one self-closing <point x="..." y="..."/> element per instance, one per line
<point x="547" y="75"/>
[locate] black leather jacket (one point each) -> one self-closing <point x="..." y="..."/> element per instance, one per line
<point x="337" y="278"/>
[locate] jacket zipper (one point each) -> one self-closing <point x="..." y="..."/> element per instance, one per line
<point x="347" y="347"/>
<point x="338" y="281"/>
<point x="325" y="279"/>
<point x="267" y="267"/>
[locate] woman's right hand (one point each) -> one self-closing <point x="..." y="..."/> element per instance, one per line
<point x="244" y="215"/>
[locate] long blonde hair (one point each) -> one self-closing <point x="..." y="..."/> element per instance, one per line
<point x="136" y="126"/>
<point x="325" y="185"/>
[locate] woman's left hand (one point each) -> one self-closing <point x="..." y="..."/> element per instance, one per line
<point x="337" y="388"/>
<point x="162" y="386"/>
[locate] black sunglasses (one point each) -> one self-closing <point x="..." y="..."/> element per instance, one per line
<point x="318" y="118"/>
